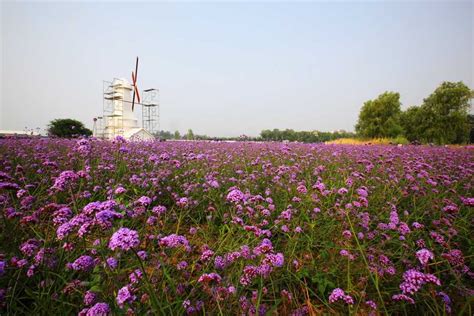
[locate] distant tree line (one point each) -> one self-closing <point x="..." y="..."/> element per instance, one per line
<point x="443" y="118"/>
<point x="303" y="136"/>
<point x="167" y="135"/>
<point x="265" y="135"/>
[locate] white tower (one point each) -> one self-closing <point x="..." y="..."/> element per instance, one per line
<point x="123" y="106"/>
<point x="119" y="117"/>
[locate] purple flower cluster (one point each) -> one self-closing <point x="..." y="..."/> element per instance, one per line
<point x="210" y="277"/>
<point x="99" y="309"/>
<point x="83" y="263"/>
<point x="413" y="280"/>
<point x="125" y="295"/>
<point x="65" y="178"/>
<point x="175" y="241"/>
<point x="235" y="196"/>
<point x="424" y="255"/>
<point x="339" y="294"/>
<point x="124" y="239"/>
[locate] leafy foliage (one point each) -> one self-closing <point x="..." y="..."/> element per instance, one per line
<point x="443" y="116"/>
<point x="67" y="128"/>
<point x="380" y="117"/>
<point x="441" y="119"/>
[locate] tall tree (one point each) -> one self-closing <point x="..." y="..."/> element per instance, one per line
<point x="67" y="128"/>
<point x="412" y="120"/>
<point x="190" y="135"/>
<point x="380" y="117"/>
<point x="471" y="133"/>
<point x="442" y="118"/>
<point x="446" y="111"/>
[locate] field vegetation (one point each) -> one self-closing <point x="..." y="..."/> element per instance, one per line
<point x="92" y="227"/>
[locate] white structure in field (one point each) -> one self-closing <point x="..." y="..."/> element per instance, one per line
<point x="118" y="118"/>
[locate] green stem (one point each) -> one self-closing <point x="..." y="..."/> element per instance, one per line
<point x="374" y="279"/>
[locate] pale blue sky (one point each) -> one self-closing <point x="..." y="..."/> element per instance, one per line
<point x="230" y="68"/>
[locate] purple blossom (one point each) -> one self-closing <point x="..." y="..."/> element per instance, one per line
<point x="99" y="309"/>
<point x="112" y="263"/>
<point x="120" y="190"/>
<point x="413" y="280"/>
<point x="124" y="239"/>
<point x="144" y="201"/>
<point x="235" y="196"/>
<point x="210" y="277"/>
<point x="89" y="298"/>
<point x="175" y="241"/>
<point x="125" y="295"/>
<point x="159" y="210"/>
<point x="276" y="260"/>
<point x="2" y="267"/>
<point x="264" y="247"/>
<point x="65" y="178"/>
<point x="142" y="255"/>
<point x="249" y="273"/>
<point x="338" y="294"/>
<point x="403" y="297"/>
<point x="371" y="304"/>
<point x="83" y="263"/>
<point x="424" y="255"/>
<point x="182" y="265"/>
<point x="206" y="255"/>
<point x="446" y="301"/>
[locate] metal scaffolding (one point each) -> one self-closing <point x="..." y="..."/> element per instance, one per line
<point x="151" y="111"/>
<point x="111" y="123"/>
<point x="112" y="111"/>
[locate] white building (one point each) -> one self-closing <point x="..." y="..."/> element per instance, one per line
<point x="4" y="133"/>
<point x="120" y="120"/>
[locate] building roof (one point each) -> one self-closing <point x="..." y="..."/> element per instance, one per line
<point x="138" y="133"/>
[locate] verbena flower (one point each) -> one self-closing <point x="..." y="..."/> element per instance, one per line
<point x="413" y="280"/>
<point x="339" y="294"/>
<point x="112" y="262"/>
<point x="125" y="295"/>
<point x="403" y="297"/>
<point x="83" y="263"/>
<point x="424" y="255"/>
<point x="174" y="241"/>
<point x="99" y="309"/>
<point x="235" y="196"/>
<point x="64" y="179"/>
<point x="89" y="298"/>
<point x="210" y="277"/>
<point x="124" y="239"/>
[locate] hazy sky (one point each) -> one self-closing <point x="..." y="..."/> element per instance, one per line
<point x="230" y="68"/>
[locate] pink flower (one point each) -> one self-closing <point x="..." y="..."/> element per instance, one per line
<point x="338" y="294"/>
<point x="424" y="255"/>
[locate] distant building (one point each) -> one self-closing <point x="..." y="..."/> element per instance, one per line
<point x="11" y="133"/>
<point x="119" y="119"/>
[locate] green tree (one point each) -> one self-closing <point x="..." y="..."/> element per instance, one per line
<point x="471" y="133"/>
<point x="380" y="117"/>
<point x="445" y="114"/>
<point x="67" y="128"/>
<point x="163" y="135"/>
<point x="442" y="118"/>
<point x="266" y="134"/>
<point x="190" y="134"/>
<point x="412" y="122"/>
<point x="177" y="135"/>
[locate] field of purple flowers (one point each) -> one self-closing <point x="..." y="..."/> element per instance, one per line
<point x="91" y="227"/>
